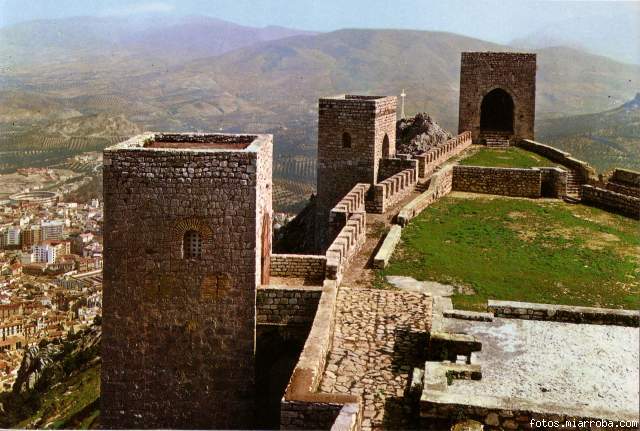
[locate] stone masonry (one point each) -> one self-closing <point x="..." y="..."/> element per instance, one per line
<point x="354" y="133"/>
<point x="185" y="219"/>
<point x="482" y="72"/>
<point x="498" y="181"/>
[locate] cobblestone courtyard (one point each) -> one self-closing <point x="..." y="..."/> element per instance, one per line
<point x="380" y="335"/>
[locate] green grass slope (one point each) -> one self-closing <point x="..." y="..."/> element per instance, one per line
<point x="519" y="250"/>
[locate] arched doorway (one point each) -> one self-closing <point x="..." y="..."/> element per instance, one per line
<point x="496" y="112"/>
<point x="385" y="147"/>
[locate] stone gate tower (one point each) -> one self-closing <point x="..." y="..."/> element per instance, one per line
<point x="497" y="96"/>
<point x="187" y="241"/>
<point x="354" y="133"/>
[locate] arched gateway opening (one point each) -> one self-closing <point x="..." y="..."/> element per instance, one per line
<point x="496" y="112"/>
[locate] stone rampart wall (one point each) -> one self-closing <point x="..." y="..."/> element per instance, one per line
<point x="392" y="190"/>
<point x="286" y="305"/>
<point x="302" y="407"/>
<point x="498" y="181"/>
<point x="345" y="246"/>
<point x="610" y="200"/>
<point x="440" y="185"/>
<point x="585" y="172"/>
<point x="392" y="166"/>
<point x="310" y="267"/>
<point x="352" y="203"/>
<point x="430" y="160"/>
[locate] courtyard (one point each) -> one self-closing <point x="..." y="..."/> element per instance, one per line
<point x="514" y="249"/>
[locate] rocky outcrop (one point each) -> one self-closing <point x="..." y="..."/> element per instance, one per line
<point x="55" y="359"/>
<point x="418" y="134"/>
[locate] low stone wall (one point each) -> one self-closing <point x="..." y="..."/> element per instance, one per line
<point x="585" y="173"/>
<point x="390" y="167"/>
<point x="382" y="257"/>
<point x="498" y="181"/>
<point x="610" y="200"/>
<point x="392" y="190"/>
<point x="439" y="186"/>
<point x="624" y="181"/>
<point x="286" y="305"/>
<point x="302" y="407"/>
<point x="345" y="246"/>
<point x="564" y="313"/>
<point x="430" y="160"/>
<point x="554" y="182"/>
<point x="307" y="266"/>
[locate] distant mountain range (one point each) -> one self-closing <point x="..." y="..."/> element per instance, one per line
<point x="199" y="73"/>
<point x="606" y="139"/>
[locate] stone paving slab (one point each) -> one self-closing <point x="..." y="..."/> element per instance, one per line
<point x="380" y="335"/>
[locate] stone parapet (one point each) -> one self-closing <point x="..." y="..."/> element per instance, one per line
<point x="431" y="159"/>
<point x="392" y="190"/>
<point x="302" y="406"/>
<point x="554" y="182"/>
<point x="586" y="174"/>
<point x="610" y="200"/>
<point x="439" y="186"/>
<point x="498" y="181"/>
<point x="345" y="246"/>
<point x="564" y="313"/>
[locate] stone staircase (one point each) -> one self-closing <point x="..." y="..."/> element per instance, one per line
<point x="574" y="183"/>
<point x="495" y="139"/>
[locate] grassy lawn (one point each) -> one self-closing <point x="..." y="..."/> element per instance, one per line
<point x="512" y="157"/>
<point x="521" y="250"/>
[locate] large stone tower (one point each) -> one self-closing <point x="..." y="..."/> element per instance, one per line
<point x="187" y="241"/>
<point x="497" y="95"/>
<point x="354" y="133"/>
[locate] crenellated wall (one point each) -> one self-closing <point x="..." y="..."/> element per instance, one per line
<point x="352" y="203"/>
<point x="392" y="166"/>
<point x="392" y="190"/>
<point x="430" y="160"/>
<point x="346" y="245"/>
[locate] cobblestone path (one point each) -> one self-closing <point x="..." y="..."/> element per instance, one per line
<point x="380" y="335"/>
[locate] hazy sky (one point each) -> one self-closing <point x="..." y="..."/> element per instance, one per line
<point x="499" y="21"/>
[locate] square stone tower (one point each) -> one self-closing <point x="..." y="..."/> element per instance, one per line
<point x="497" y="95"/>
<point x="187" y="241"/>
<point x="354" y="133"/>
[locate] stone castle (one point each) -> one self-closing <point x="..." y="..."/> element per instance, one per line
<point x="191" y="285"/>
